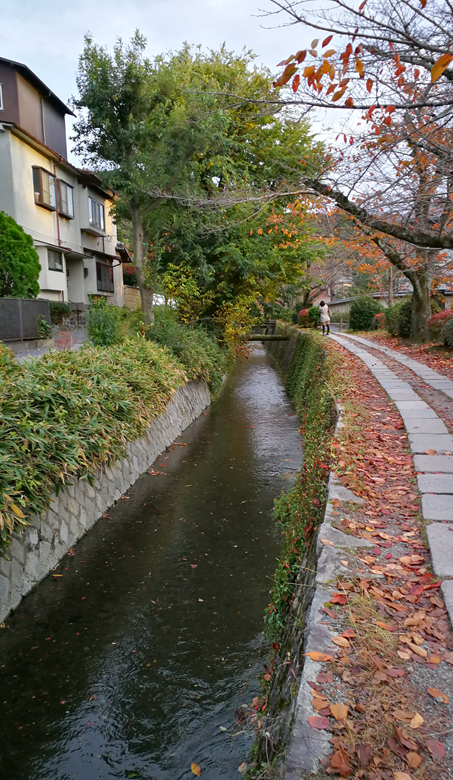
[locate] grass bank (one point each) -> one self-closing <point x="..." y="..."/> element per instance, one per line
<point x="62" y="416"/>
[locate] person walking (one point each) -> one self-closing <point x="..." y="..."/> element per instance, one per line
<point x="325" y="317"/>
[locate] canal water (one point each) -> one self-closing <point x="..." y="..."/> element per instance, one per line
<point x="132" y="660"/>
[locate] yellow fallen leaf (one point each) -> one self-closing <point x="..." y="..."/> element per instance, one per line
<point x="413" y="760"/>
<point x="416" y="721"/>
<point x="417" y="650"/>
<point x="402" y="776"/>
<point x="339" y="711"/>
<point x="403" y="655"/>
<point x="341" y="641"/>
<point x="195" y="769"/>
<point x="327" y="541"/>
<point x="319" y="657"/>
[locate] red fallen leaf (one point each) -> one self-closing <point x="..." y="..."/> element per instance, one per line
<point x="396" y="748"/>
<point x="404" y="739"/>
<point x="364" y="754"/>
<point x="330" y="612"/>
<point x="385" y="626"/>
<point x="349" y="633"/>
<point x="340" y="761"/>
<point x="318" y="723"/>
<point x="338" y="598"/>
<point x="376" y="551"/>
<point x="396" y="672"/>
<point x="436" y="749"/>
<point x="325" y="677"/>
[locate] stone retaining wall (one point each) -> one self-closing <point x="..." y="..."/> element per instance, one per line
<point x="33" y="554"/>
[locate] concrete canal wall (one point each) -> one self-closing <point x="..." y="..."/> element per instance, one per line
<point x="33" y="554"/>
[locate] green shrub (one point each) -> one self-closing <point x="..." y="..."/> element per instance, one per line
<point x="104" y="324"/>
<point x="447" y="333"/>
<point x="398" y="319"/>
<point x="362" y="311"/>
<point x="44" y="329"/>
<point x="378" y="322"/>
<point x="314" y="315"/>
<point x="58" y="311"/>
<point x="197" y="350"/>
<point x="63" y="415"/>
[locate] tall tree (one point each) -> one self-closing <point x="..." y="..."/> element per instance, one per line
<point x="169" y="137"/>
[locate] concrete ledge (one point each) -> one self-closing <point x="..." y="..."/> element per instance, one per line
<point x="435" y="483"/>
<point x="26" y="346"/>
<point x="437" y="507"/>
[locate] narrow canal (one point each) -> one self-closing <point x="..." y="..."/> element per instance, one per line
<point x="132" y="660"/>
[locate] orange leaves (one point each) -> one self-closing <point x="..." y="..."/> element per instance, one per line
<point x="340" y="762"/>
<point x="296" y="82"/>
<point x="341" y="641"/>
<point x="339" y="711"/>
<point x="440" y="65"/>
<point x="359" y="67"/>
<point x="437" y="694"/>
<point x="195" y="769"/>
<point x="309" y="71"/>
<point x="326" y="41"/>
<point x="369" y="84"/>
<point x="316" y="655"/>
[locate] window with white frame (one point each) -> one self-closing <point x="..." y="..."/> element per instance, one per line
<point x="96" y="214"/>
<point x="1" y="97"/>
<point x="65" y="199"/>
<point x="44" y="188"/>
<point x="54" y="260"/>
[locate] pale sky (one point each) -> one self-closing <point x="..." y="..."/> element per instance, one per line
<point x="47" y="35"/>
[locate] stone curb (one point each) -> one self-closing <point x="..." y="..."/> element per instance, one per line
<point x="427" y="433"/>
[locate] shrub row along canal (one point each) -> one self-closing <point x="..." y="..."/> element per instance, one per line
<point x="131" y="660"/>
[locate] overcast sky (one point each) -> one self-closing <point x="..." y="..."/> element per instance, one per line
<point x="47" y="35"/>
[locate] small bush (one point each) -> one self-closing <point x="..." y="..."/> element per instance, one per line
<point x="104" y="324"/>
<point x="196" y="349"/>
<point x="378" y="322"/>
<point x="437" y="321"/>
<point x="362" y="312"/>
<point x="58" y="311"/>
<point x="302" y="319"/>
<point x="398" y="319"/>
<point x="314" y="316"/>
<point x="44" y="329"/>
<point x="447" y="333"/>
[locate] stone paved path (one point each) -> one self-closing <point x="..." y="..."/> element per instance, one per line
<point x="431" y="445"/>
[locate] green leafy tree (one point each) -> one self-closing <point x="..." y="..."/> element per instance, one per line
<point x="19" y="261"/>
<point x="177" y="135"/>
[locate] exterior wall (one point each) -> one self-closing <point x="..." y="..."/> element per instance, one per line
<point x="30" y="114"/>
<point x="39" y="549"/>
<point x="54" y="129"/>
<point x="52" y="284"/>
<point x="10" y="112"/>
<point x="6" y="173"/>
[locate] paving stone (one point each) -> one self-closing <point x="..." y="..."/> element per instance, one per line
<point x="420" y="442"/>
<point x="418" y="414"/>
<point x="414" y="425"/>
<point x="440" y="541"/>
<point x="447" y="590"/>
<point x="435" y="483"/>
<point x="437" y="507"/>
<point x="434" y="463"/>
<point x="412" y="405"/>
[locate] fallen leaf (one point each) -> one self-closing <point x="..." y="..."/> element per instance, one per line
<point x="340" y="761"/>
<point x="403" y="715"/>
<point x="436" y="749"/>
<point x="417" y="650"/>
<point x="396" y="748"/>
<point x="430" y="452"/>
<point x="327" y="541"/>
<point x="339" y="711"/>
<point x="401" y="776"/>
<point x="318" y="704"/>
<point x="325" y="677"/>
<point x="416" y="721"/>
<point x="338" y="598"/>
<point x="349" y="633"/>
<point x="242" y="768"/>
<point x="341" y="641"/>
<point x="413" y="760"/>
<point x="318" y="723"/>
<point x="319" y="657"/>
<point x="364" y="754"/>
<point x="436" y="694"/>
<point x="403" y="655"/>
<point x="396" y="672"/>
<point x="195" y="769"/>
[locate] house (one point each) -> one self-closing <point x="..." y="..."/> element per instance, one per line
<point x="65" y="209"/>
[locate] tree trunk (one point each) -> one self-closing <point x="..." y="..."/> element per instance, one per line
<point x="138" y="240"/>
<point x="421" y="306"/>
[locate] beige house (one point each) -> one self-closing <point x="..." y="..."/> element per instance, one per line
<point x="65" y="209"/>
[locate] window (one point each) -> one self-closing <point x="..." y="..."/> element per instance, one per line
<point x="65" y="199"/>
<point x="1" y="97"/>
<point x="54" y="260"/>
<point x="96" y="214"/>
<point x="44" y="188"/>
<point x="104" y="277"/>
